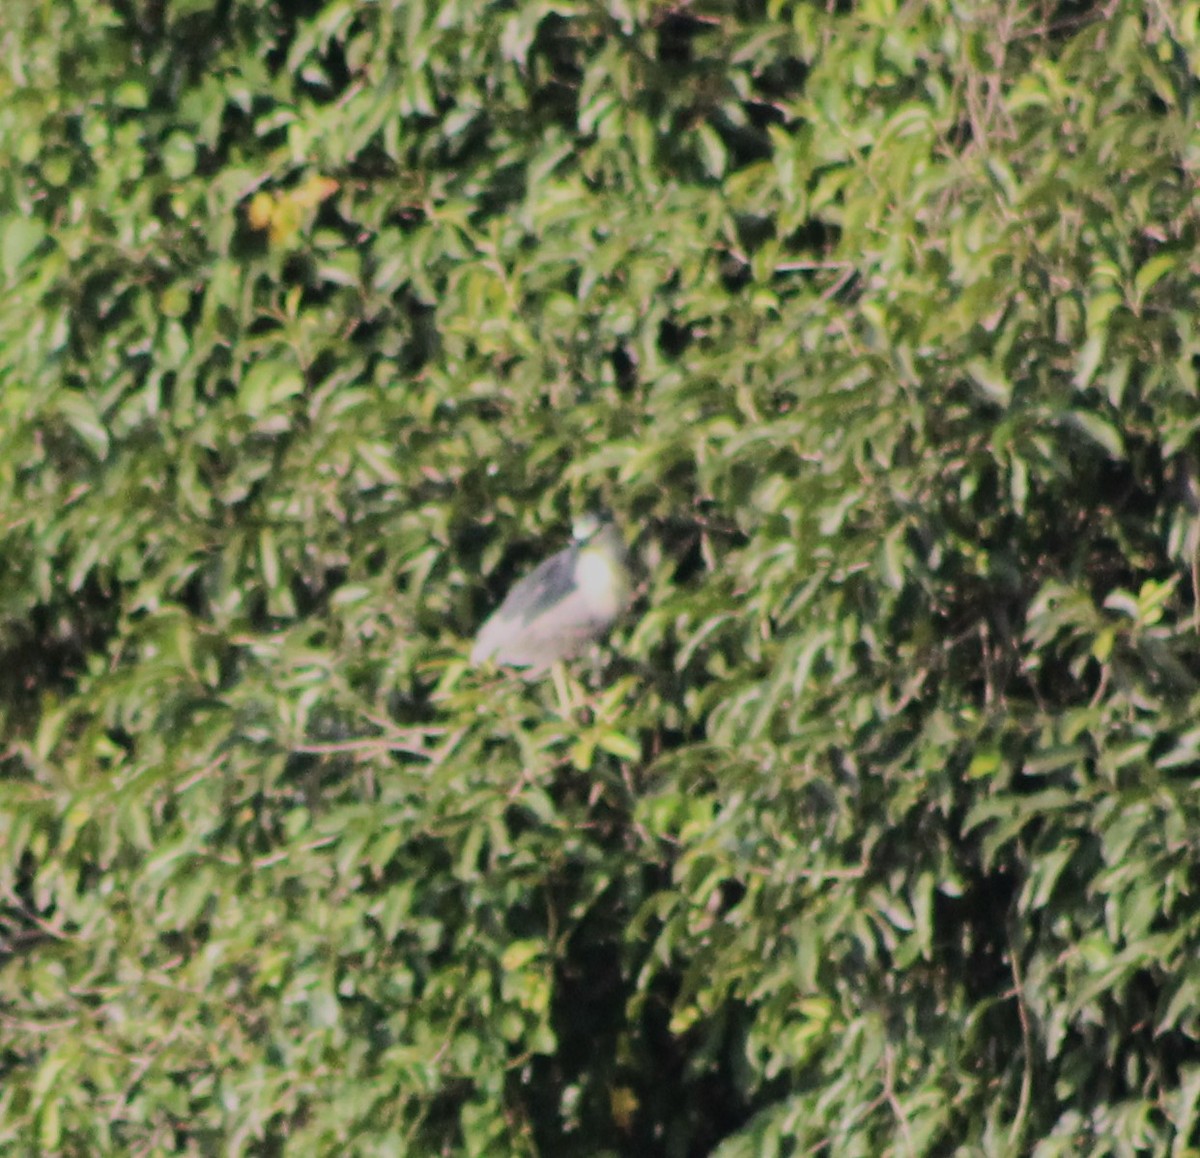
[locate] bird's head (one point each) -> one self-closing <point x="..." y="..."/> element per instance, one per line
<point x="588" y="525"/>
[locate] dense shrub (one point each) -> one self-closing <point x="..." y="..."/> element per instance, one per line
<point x="874" y="830"/>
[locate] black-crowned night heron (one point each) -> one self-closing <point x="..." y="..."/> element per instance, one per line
<point x="566" y="602"/>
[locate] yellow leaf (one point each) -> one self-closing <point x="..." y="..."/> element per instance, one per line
<point x="624" y="1104"/>
<point x="261" y="210"/>
<point x="315" y="190"/>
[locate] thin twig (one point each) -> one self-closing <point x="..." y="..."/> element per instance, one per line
<point x="1018" y="1126"/>
<point x="367" y="744"/>
<point x="889" y="1089"/>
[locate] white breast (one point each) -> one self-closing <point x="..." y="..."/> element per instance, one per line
<point x="601" y="583"/>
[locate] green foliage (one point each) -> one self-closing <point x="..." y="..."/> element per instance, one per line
<point x="875" y="831"/>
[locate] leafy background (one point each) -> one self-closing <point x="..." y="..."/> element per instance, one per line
<point x="876" y="829"/>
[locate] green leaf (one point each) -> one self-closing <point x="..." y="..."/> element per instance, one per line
<point x="1099" y="430"/>
<point x="22" y="237"/>
<point x="79" y="413"/>
<point x="267" y="383"/>
<point x="131" y="95"/>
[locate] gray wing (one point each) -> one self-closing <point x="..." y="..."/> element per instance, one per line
<point x="512" y="635"/>
<point x="547" y="584"/>
<point x="540" y="644"/>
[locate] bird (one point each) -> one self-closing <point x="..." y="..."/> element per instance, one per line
<point x="563" y="604"/>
